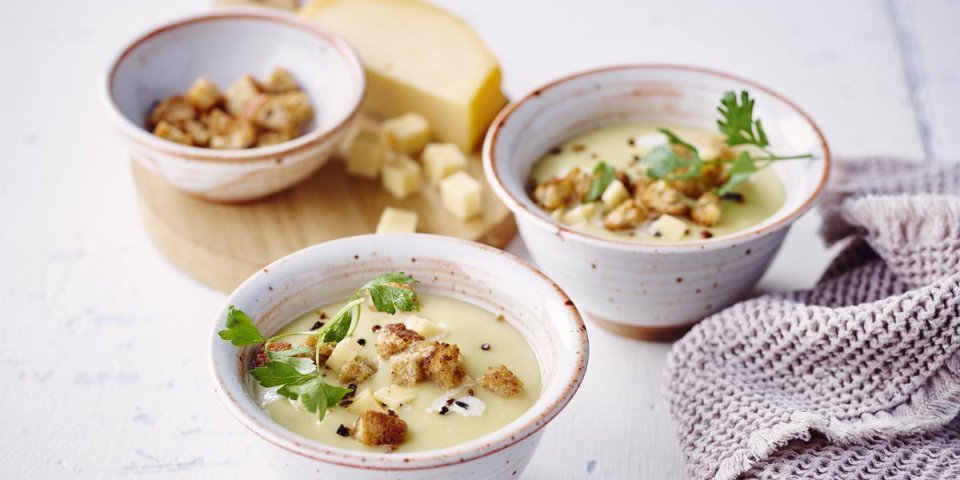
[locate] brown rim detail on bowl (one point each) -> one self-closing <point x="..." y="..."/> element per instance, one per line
<point x="490" y="161"/>
<point x="638" y="332"/>
<point x="188" y="152"/>
<point x="292" y="443"/>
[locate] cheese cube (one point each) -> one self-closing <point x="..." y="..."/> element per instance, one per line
<point x="401" y="177"/>
<point x="395" y="396"/>
<point x="462" y="195"/>
<point x="580" y="213"/>
<point x="366" y="152"/>
<point x="397" y="220"/>
<point x="408" y="133"/>
<point x="669" y="227"/>
<point x="442" y="160"/>
<point x="345" y="352"/>
<point x="362" y="402"/>
<point x="614" y="195"/>
<point x="426" y="328"/>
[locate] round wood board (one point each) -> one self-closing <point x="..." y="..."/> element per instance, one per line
<point x="223" y="244"/>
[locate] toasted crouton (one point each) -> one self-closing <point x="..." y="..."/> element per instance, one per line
<point x="357" y="371"/>
<point x="707" y="212"/>
<point x="501" y="381"/>
<point x="660" y="197"/>
<point x="173" y="110"/>
<point x="444" y="365"/>
<point x="243" y="96"/>
<point x="280" y="81"/>
<point x="325" y="349"/>
<point x="203" y="94"/>
<point x="262" y="357"/>
<point x="240" y="134"/>
<point x="406" y="367"/>
<point x="377" y="428"/>
<point x="168" y="131"/>
<point x="298" y="105"/>
<point x="274" y="114"/>
<point x="395" y="337"/>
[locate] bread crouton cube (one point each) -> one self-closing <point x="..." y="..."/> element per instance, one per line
<point x="273" y="114"/>
<point x="462" y="195"/>
<point x="394" y="338"/>
<point x="217" y="121"/>
<point x="501" y="381"/>
<point x="401" y="177"/>
<point x="325" y="349"/>
<point x="203" y="94"/>
<point x="243" y="97"/>
<point x="297" y="105"/>
<point x="367" y="152"/>
<point x="198" y="132"/>
<point x="406" y="367"/>
<point x="240" y="133"/>
<point x="440" y="160"/>
<point x="168" y="131"/>
<point x="357" y="371"/>
<point x="444" y="365"/>
<point x="707" y="211"/>
<point x="408" y="133"/>
<point x="377" y="428"/>
<point x="346" y="351"/>
<point x="363" y="401"/>
<point x="280" y="81"/>
<point x="173" y="110"/>
<point x="395" y="396"/>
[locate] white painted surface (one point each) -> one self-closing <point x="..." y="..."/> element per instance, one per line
<point x="103" y="353"/>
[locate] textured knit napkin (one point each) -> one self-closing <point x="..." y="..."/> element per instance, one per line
<point x="857" y="378"/>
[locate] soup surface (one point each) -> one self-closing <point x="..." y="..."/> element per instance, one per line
<point x="622" y="146"/>
<point x="485" y="340"/>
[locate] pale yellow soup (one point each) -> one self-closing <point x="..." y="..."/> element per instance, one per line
<point x="469" y="327"/>
<point x="763" y="193"/>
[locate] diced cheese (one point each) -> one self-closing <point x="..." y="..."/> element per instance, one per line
<point x="401" y="177"/>
<point x="649" y="141"/>
<point x="397" y="220"/>
<point x="462" y="195"/>
<point x="614" y="195"/>
<point x="580" y="213"/>
<point x="440" y="160"/>
<point x="427" y="328"/>
<point x="669" y="227"/>
<point x="408" y="133"/>
<point x="367" y="152"/>
<point x="346" y="351"/>
<point x="419" y="58"/>
<point x="362" y="402"/>
<point x="395" y="396"/>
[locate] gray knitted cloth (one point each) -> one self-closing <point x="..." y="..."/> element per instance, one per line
<point x="857" y="378"/>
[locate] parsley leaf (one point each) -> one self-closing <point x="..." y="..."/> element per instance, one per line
<point x="663" y="161"/>
<point x="317" y="396"/>
<point x="737" y="123"/>
<point x="391" y="292"/>
<point x="603" y="176"/>
<point x="337" y="329"/>
<point x="302" y="364"/>
<point x="740" y="171"/>
<point x="274" y="374"/>
<point x="240" y="329"/>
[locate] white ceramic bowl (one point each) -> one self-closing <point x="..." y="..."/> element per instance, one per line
<point x="478" y="274"/>
<point x="223" y="46"/>
<point x="648" y="290"/>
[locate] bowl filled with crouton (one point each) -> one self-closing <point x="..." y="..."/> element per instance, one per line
<point x="236" y="104"/>
<point x="408" y="356"/>
<point x="655" y="194"/>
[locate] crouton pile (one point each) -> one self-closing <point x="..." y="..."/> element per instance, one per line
<point x="250" y="113"/>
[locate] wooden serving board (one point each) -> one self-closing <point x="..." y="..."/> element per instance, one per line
<point x="223" y="244"/>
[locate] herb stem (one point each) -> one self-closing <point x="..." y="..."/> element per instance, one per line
<point x="774" y="158"/>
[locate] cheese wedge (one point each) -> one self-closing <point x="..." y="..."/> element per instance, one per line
<point x="419" y="58"/>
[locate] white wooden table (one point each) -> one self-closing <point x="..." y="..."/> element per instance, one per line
<point x="103" y="355"/>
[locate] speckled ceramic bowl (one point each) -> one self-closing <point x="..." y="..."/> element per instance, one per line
<point x="648" y="290"/>
<point x="484" y="276"/>
<point x="223" y="46"/>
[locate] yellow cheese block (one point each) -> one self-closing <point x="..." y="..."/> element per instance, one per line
<point x="419" y="58"/>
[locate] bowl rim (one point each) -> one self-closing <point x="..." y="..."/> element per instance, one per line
<point x="493" y="442"/>
<point x="493" y="174"/>
<point x="141" y="136"/>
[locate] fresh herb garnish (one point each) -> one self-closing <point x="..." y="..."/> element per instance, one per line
<point x="603" y="176"/>
<point x="679" y="160"/>
<point x="299" y="377"/>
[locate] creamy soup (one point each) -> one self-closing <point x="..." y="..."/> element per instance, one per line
<point x="622" y="146"/>
<point x="433" y="420"/>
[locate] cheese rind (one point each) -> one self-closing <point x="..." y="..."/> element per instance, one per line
<point x="408" y="133"/>
<point x="366" y="152"/>
<point x="397" y="220"/>
<point x="462" y="195"/>
<point x="418" y="57"/>
<point x="401" y="177"/>
<point x="440" y="160"/>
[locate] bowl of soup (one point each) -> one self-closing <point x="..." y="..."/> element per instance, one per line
<point x="400" y="356"/>
<point x="655" y="195"/>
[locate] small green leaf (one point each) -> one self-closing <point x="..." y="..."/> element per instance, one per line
<point x="662" y="162"/>
<point x="390" y="292"/>
<point x="337" y="329"/>
<point x="603" y="176"/>
<point x="318" y="396"/>
<point x="737" y="122"/>
<point x="240" y="329"/>
<point x="740" y="171"/>
<point x="302" y="364"/>
<point x="273" y="374"/>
